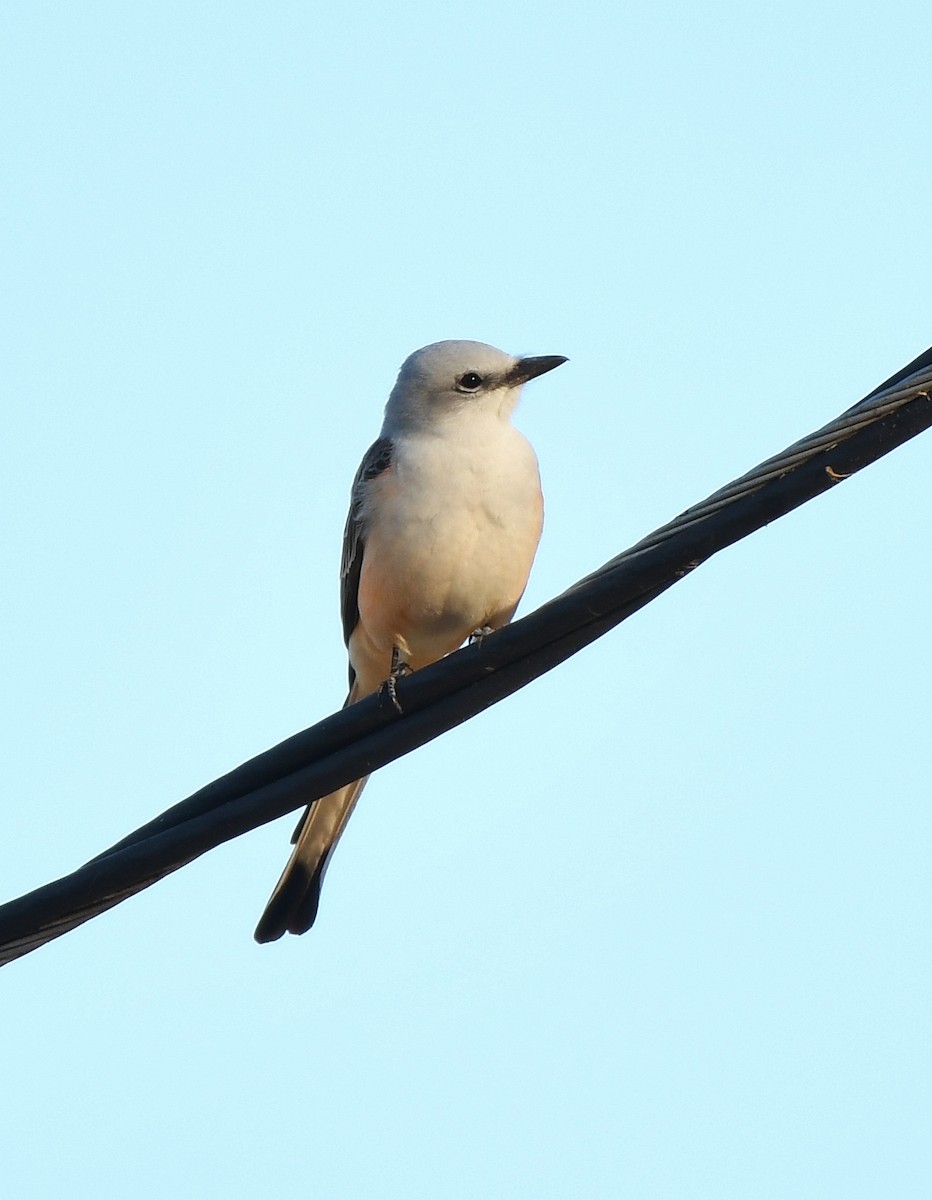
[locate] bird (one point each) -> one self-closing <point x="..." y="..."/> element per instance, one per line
<point x="445" y="517"/>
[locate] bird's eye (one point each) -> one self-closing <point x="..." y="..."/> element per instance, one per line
<point x="470" y="382"/>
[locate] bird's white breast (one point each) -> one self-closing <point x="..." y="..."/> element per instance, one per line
<point x="450" y="532"/>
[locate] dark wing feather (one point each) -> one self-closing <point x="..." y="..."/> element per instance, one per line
<point x="377" y="459"/>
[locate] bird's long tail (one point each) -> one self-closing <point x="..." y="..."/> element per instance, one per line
<point x="292" y="907"/>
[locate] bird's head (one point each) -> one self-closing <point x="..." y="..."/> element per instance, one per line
<point x="451" y="377"/>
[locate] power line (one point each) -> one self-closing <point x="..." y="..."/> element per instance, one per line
<point x="357" y="740"/>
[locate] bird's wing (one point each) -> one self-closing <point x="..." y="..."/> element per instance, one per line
<point x="377" y="460"/>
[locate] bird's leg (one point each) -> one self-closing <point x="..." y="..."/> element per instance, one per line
<point x="398" y="671"/>
<point x="478" y="635"/>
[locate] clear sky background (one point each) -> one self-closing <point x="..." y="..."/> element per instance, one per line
<point x="661" y="924"/>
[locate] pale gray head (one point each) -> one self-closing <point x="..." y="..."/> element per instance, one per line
<point x="457" y="377"/>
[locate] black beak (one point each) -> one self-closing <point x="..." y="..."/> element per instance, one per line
<point x="529" y="368"/>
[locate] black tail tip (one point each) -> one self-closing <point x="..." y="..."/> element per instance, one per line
<point x="267" y="930"/>
<point x="288" y="912"/>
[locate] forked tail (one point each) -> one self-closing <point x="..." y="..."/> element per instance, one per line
<point x="292" y="906"/>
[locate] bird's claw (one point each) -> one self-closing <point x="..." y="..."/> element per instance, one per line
<point x="398" y="671"/>
<point x="478" y="635"/>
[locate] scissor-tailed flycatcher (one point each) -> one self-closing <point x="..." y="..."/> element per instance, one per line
<point x="445" y="516"/>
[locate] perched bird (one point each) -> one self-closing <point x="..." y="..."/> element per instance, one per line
<point x="445" y="516"/>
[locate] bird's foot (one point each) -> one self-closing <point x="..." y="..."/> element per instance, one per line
<point x="477" y="636"/>
<point x="398" y="671"/>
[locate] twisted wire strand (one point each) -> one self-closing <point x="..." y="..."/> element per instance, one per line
<point x="873" y="408"/>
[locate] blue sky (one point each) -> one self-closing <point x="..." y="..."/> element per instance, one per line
<point x="660" y="924"/>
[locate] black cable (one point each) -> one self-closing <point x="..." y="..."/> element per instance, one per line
<point x="359" y="739"/>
